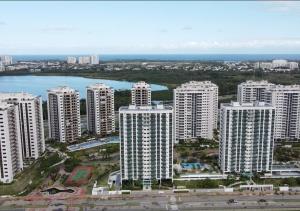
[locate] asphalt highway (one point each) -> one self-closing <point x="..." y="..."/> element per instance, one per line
<point x="174" y="202"/>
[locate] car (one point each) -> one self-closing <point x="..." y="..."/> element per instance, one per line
<point x="262" y="201"/>
<point x="232" y="201"/>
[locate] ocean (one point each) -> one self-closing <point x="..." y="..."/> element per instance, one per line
<point x="168" y="57"/>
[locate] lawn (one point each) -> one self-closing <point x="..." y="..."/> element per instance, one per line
<point x="31" y="177"/>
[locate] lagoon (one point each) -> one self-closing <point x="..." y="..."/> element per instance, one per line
<point x="38" y="85"/>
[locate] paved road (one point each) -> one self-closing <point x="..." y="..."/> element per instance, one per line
<point x="180" y="202"/>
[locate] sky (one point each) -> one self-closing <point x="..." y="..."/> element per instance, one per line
<point x="140" y="27"/>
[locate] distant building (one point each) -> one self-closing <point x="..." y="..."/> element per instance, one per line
<point x="280" y="63"/>
<point x="277" y="65"/>
<point x="6" y="60"/>
<point x="195" y="110"/>
<point x="30" y="123"/>
<point x="246" y="137"/>
<point x="94" y="59"/>
<point x="71" y="60"/>
<point x="286" y="100"/>
<point x="84" y="60"/>
<point x="141" y="94"/>
<point x="293" y="65"/>
<point x="10" y="151"/>
<point x="64" y="114"/>
<point x="251" y="91"/>
<point x="100" y="109"/>
<point x="2" y="68"/>
<point x="146" y="143"/>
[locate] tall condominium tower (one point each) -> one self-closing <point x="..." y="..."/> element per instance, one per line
<point x="247" y="137"/>
<point x="84" y="60"/>
<point x="286" y="100"/>
<point x="71" y="60"/>
<point x="141" y="94"/>
<point x="94" y="59"/>
<point x="2" y="68"/>
<point x="10" y="147"/>
<point x="196" y="110"/>
<point x="251" y="91"/>
<point x="31" y="123"/>
<point x="146" y="143"/>
<point x="100" y="109"/>
<point x="64" y="114"/>
<point x="6" y="60"/>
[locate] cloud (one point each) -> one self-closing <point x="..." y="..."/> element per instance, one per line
<point x="2" y="23"/>
<point x="282" y="45"/>
<point x="186" y="28"/>
<point x="59" y="29"/>
<point x="248" y="44"/>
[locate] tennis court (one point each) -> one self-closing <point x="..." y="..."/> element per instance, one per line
<point x="79" y="176"/>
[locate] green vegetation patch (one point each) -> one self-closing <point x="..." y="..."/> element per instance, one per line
<point x="80" y="174"/>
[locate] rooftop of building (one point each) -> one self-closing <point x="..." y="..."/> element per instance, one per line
<point x="247" y="105"/>
<point x="62" y="89"/>
<point x="146" y="108"/>
<point x="261" y="82"/>
<point x="141" y="84"/>
<point x="17" y="95"/>
<point x="197" y="85"/>
<point x="294" y="87"/>
<point x="98" y="86"/>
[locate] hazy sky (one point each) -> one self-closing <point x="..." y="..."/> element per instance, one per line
<point x="149" y="27"/>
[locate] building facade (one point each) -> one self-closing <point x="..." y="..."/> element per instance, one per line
<point x="64" y="114"/>
<point x="251" y="91"/>
<point x="84" y="60"/>
<point x="195" y="110"/>
<point x="30" y="123"/>
<point x="286" y="100"/>
<point x="100" y="109"/>
<point x="246" y="137"/>
<point x="94" y="59"/>
<point x="141" y="94"/>
<point x="6" y="60"/>
<point x="146" y="143"/>
<point x="71" y="60"/>
<point x="11" y="161"/>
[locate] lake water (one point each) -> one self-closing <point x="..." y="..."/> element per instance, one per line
<point x="38" y="85"/>
<point x="169" y="57"/>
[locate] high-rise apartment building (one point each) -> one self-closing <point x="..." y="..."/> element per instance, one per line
<point x="2" y="68"/>
<point x="6" y="60"/>
<point x="94" y="59"/>
<point x="195" y="110"/>
<point x="30" y="123"/>
<point x="84" y="60"/>
<point x="246" y="137"/>
<point x="279" y="64"/>
<point x="100" y="109"/>
<point x="251" y="91"/>
<point x="71" y="60"/>
<point x="64" y="114"/>
<point x="286" y="100"/>
<point x="146" y="143"/>
<point x="141" y="94"/>
<point x="11" y="161"/>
